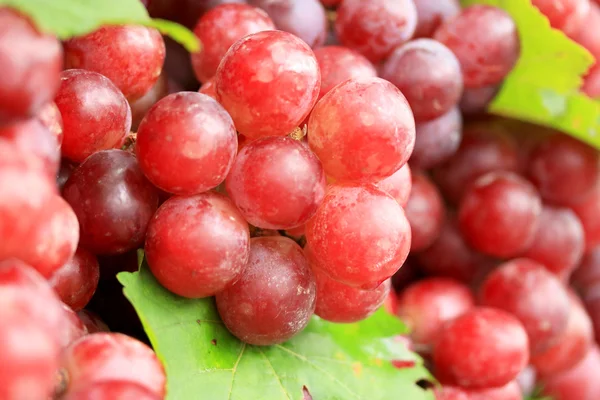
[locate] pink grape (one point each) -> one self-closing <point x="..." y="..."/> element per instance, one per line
<point x="476" y="100"/>
<point x="76" y="281"/>
<point x="398" y="185"/>
<point x="276" y="183"/>
<point x="437" y="140"/>
<point x="49" y="116"/>
<point x="208" y="88"/>
<point x="588" y="271"/>
<point x="432" y="13"/>
<point x="74" y="327"/>
<point x="566" y="15"/>
<point x="588" y="211"/>
<point x="578" y="383"/>
<point x="93" y="323"/>
<point x="255" y="72"/>
<point x="111" y="390"/>
<point x="587" y="37"/>
<point x="362" y="130"/>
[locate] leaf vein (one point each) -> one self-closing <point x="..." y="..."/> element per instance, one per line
<point x="235" y="370"/>
<point x="274" y="373"/>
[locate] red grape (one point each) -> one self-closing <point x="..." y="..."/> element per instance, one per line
<point x="208" y="88"/>
<point x="578" y="383"/>
<point x="510" y="391"/>
<point x="482" y="348"/>
<point x="102" y="357"/>
<point x="374" y="28"/>
<point x="432" y="13"/>
<point x="268" y="81"/>
<point x="275" y="295"/>
<point x="428" y="74"/>
<point x="588" y="211"/>
<point x="276" y="183"/>
<point x="476" y="100"/>
<point x="338" y="64"/>
<point x="427" y="305"/>
<point x="566" y="15"/>
<point x="49" y="116"/>
<point x="564" y="169"/>
<point x="331" y="3"/>
<point x="499" y="214"/>
<point x="76" y="281"/>
<point x="140" y="107"/>
<point x="112" y="390"/>
<point x="130" y="56"/>
<point x="359" y="235"/>
<point x="362" y="130"/>
<point x="586" y="35"/>
<point x="304" y="18"/>
<point x="531" y="293"/>
<point x="31" y="64"/>
<point x="92" y="322"/>
<point x="425" y="212"/>
<point x="591" y="82"/>
<point x="450" y="393"/>
<point x="73" y="329"/>
<point x="437" y="140"/>
<point x="587" y="272"/>
<point x="485" y="41"/>
<point x="113" y="202"/>
<point x="220" y="28"/>
<point x="398" y="185"/>
<point x="197" y="245"/>
<point x="559" y="241"/>
<point x="95" y="114"/>
<point x="186" y="143"/>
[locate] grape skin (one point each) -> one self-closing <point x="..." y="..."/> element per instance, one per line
<point x="437" y="140"/>
<point x="398" y="185"/>
<point x="432" y="13"/>
<point x="76" y="281"/>
<point x="112" y="390"/>
<point x="588" y="211"/>
<point x="566" y="15"/>
<point x="578" y="383"/>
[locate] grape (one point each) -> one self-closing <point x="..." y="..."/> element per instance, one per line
<point x="531" y="293"/>
<point x="588" y="38"/>
<point x="111" y="390"/>
<point x="140" y="107"/>
<point x="92" y="321"/>
<point x="95" y="114"/>
<point x="102" y="357"/>
<point x="73" y="329"/>
<point x="566" y="15"/>
<point x="359" y="235"/>
<point x="428" y="74"/>
<point x="450" y="393"/>
<point x="484" y="148"/>
<point x="113" y="202"/>
<point x="476" y="100"/>
<point x="49" y="116"/>
<point x="588" y="211"/>
<point x="76" y="281"/>
<point x="220" y="28"/>
<point x="425" y="212"/>
<point x="579" y="383"/>
<point x="432" y="13"/>
<point x="186" y="143"/>
<point x="197" y="245"/>
<point x="499" y="214"/>
<point x="331" y="3"/>
<point x="276" y="183"/>
<point x="564" y="169"/>
<point x="31" y="64"/>
<point x="208" y="88"/>
<point x="338" y="64"/>
<point x="559" y="241"/>
<point x="437" y="140"/>
<point x="304" y="18"/>
<point x="527" y="381"/>
<point x="588" y="271"/>
<point x="510" y="391"/>
<point x="571" y="347"/>
<point x="425" y="306"/>
<point x="398" y="185"/>
<point x="374" y="28"/>
<point x="592" y="304"/>
<point x="130" y="56"/>
<point x="482" y="348"/>
<point x="485" y="41"/>
<point x="362" y="130"/>
<point x="185" y="12"/>
<point x="65" y="171"/>
<point x="275" y="296"/>
<point x="591" y="83"/>
<point x="268" y="82"/>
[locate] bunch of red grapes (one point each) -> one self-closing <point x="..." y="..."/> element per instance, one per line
<point x="336" y="158"/>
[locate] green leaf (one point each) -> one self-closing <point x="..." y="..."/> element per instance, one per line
<point x="332" y="361"/>
<point x="543" y="87"/>
<point x="70" y="18"/>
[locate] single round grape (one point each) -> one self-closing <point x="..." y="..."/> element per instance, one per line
<point x="49" y="116"/>
<point x="510" y="391"/>
<point x="485" y="41"/>
<point x="362" y="130"/>
<point x="304" y="18"/>
<point x="564" y="169"/>
<point x="77" y="280"/>
<point x="186" y="143"/>
<point x="113" y="202"/>
<point x="276" y="183"/>
<point x="499" y="214"/>
<point x="338" y="64"/>
<point x="268" y="82"/>
<point x="584" y="35"/>
<point x="359" y="235"/>
<point x="476" y="100"/>
<point x="571" y="347"/>
<point x="578" y="383"/>
<point x="74" y="328"/>
<point x="197" y="245"/>
<point x="566" y="15"/>
<point x="219" y="29"/>
<point x="496" y="345"/>
<point x="131" y="56"/>
<point x="31" y="64"/>
<point x="484" y="148"/>
<point x="95" y="114"/>
<point x="208" y="88"/>
<point x="559" y="241"/>
<point x="274" y="297"/>
<point x="425" y="306"/>
<point x="537" y="298"/>
<point x="111" y="390"/>
<point x="102" y="357"/>
<point x="428" y="74"/>
<point x="432" y="13"/>
<point x="588" y="211"/>
<point x="140" y="107"/>
<point x="93" y="323"/>
<point x="398" y="185"/>
<point x="374" y="28"/>
<point x="437" y="140"/>
<point x="425" y="212"/>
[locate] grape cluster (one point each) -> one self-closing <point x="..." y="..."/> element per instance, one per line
<point x="334" y="159"/>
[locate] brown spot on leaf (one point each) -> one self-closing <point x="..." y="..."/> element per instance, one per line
<point x="306" y="394"/>
<point x="214" y="342"/>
